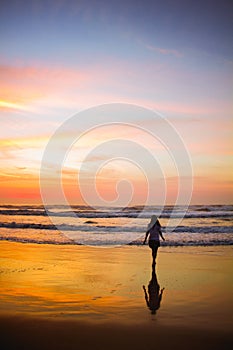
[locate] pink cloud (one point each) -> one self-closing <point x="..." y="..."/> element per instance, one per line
<point x="24" y="84"/>
<point x="107" y="82"/>
<point x="164" y="51"/>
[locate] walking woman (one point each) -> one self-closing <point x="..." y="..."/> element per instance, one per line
<point x="154" y="232"/>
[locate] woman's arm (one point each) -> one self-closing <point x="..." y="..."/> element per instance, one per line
<point x="161" y="235"/>
<point x="147" y="233"/>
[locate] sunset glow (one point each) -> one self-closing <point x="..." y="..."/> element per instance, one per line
<point x="59" y="59"/>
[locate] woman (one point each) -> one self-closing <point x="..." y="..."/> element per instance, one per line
<point x="154" y="230"/>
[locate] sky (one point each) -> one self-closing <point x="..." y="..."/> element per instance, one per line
<point x="58" y="58"/>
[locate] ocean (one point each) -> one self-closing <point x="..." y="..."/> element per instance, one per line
<point x="200" y="225"/>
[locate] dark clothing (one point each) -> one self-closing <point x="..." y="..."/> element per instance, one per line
<point x="154" y="244"/>
<point x="154" y="232"/>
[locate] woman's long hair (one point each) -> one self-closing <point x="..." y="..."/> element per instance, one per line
<point x="154" y="221"/>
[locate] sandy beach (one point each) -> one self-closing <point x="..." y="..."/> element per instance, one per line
<point x="77" y="297"/>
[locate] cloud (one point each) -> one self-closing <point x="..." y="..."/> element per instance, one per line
<point x="164" y="51"/>
<point x="40" y="88"/>
<point x="3" y="175"/>
<point x="7" y="105"/>
<point x="22" y="85"/>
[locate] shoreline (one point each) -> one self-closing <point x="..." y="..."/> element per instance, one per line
<point x="134" y="244"/>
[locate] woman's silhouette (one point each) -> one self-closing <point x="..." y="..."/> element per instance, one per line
<point x="154" y="296"/>
<point x="154" y="230"/>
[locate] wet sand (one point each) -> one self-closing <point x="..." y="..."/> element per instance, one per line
<point x="74" y="297"/>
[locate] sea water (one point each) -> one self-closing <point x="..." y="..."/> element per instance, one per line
<point x="199" y="225"/>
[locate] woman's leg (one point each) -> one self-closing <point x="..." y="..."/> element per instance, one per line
<point x="154" y="254"/>
<point x="154" y="247"/>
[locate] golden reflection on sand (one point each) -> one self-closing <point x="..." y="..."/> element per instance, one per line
<point x="85" y="283"/>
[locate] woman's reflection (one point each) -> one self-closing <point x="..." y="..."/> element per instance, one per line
<point x="154" y="296"/>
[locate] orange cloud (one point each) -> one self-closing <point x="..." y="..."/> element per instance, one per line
<point x="19" y="189"/>
<point x="20" y="159"/>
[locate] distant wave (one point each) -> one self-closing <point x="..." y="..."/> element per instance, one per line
<point x="110" y="214"/>
<point x="118" y="229"/>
